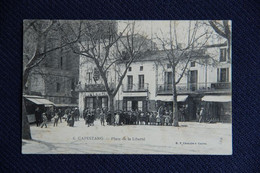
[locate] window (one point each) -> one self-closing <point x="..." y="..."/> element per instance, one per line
<point x="192" y="63"/>
<point x="89" y="77"/>
<point x="193" y="80"/>
<point x="223" y="75"/>
<point x="140" y="105"/>
<point x="129" y="106"/>
<point x="168" y="81"/>
<point x="58" y="87"/>
<point x="90" y="102"/>
<point x="130" y="69"/>
<point x="141" y="68"/>
<point x="141" y="82"/>
<point x="129" y="82"/>
<point x="223" y="54"/>
<point x="168" y="78"/>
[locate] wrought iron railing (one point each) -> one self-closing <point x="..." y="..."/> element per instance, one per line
<point x="194" y="87"/>
<point x="135" y="87"/>
<point x="92" y="87"/>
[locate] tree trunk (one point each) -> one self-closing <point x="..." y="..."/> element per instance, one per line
<point x="174" y="95"/>
<point x="111" y="108"/>
<point x="26" y="132"/>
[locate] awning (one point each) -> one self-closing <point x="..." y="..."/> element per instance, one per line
<point x="66" y="105"/>
<point x="180" y="98"/>
<point x="221" y="98"/>
<point x="39" y="100"/>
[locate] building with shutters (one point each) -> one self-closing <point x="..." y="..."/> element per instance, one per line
<point x="148" y="83"/>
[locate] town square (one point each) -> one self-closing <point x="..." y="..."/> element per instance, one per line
<point x="127" y="87"/>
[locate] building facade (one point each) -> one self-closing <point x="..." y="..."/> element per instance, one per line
<point x="148" y="85"/>
<point x="56" y="77"/>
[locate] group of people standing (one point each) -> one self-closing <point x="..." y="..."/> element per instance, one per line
<point x="134" y="117"/>
<point x="70" y="115"/>
<point x="90" y="116"/>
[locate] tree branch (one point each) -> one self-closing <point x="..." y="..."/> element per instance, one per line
<point x="214" y="26"/>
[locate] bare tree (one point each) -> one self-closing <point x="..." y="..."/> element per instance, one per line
<point x="107" y="49"/>
<point x="223" y="28"/>
<point x="35" y="36"/>
<point x="179" y="57"/>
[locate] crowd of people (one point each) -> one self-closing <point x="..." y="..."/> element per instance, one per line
<point x="70" y="115"/>
<point x="132" y="117"/>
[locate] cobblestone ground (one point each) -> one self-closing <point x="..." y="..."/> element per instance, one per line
<point x="189" y="138"/>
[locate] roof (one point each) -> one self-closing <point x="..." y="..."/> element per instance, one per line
<point x="162" y="55"/>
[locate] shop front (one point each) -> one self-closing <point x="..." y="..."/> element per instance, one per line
<point x="33" y="102"/>
<point x="135" y="103"/>
<point x="218" y="108"/>
<point x="94" y="102"/>
<point x="166" y="102"/>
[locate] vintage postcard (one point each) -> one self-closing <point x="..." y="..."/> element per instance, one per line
<point x="127" y="87"/>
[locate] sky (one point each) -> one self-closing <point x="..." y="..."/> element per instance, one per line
<point x="161" y="28"/>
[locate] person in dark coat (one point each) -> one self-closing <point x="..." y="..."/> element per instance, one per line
<point x="89" y="119"/>
<point x="37" y="116"/>
<point x="102" y="118"/>
<point x="108" y="120"/>
<point x="121" y="118"/>
<point x="76" y="114"/>
<point x="93" y="114"/>
<point x="71" y="119"/>
<point x="85" y="115"/>
<point x="59" y="115"/>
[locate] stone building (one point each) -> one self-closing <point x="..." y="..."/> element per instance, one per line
<point x="56" y="76"/>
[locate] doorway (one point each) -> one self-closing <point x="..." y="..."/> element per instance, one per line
<point x="134" y="105"/>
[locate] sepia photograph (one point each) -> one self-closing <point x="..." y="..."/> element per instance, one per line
<point x="127" y="87"/>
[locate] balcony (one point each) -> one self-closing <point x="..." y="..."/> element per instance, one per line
<point x="90" y="88"/>
<point x="135" y="88"/>
<point x="216" y="87"/>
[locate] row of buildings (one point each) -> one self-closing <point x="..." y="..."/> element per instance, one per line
<point x="148" y="84"/>
<point x="64" y="80"/>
